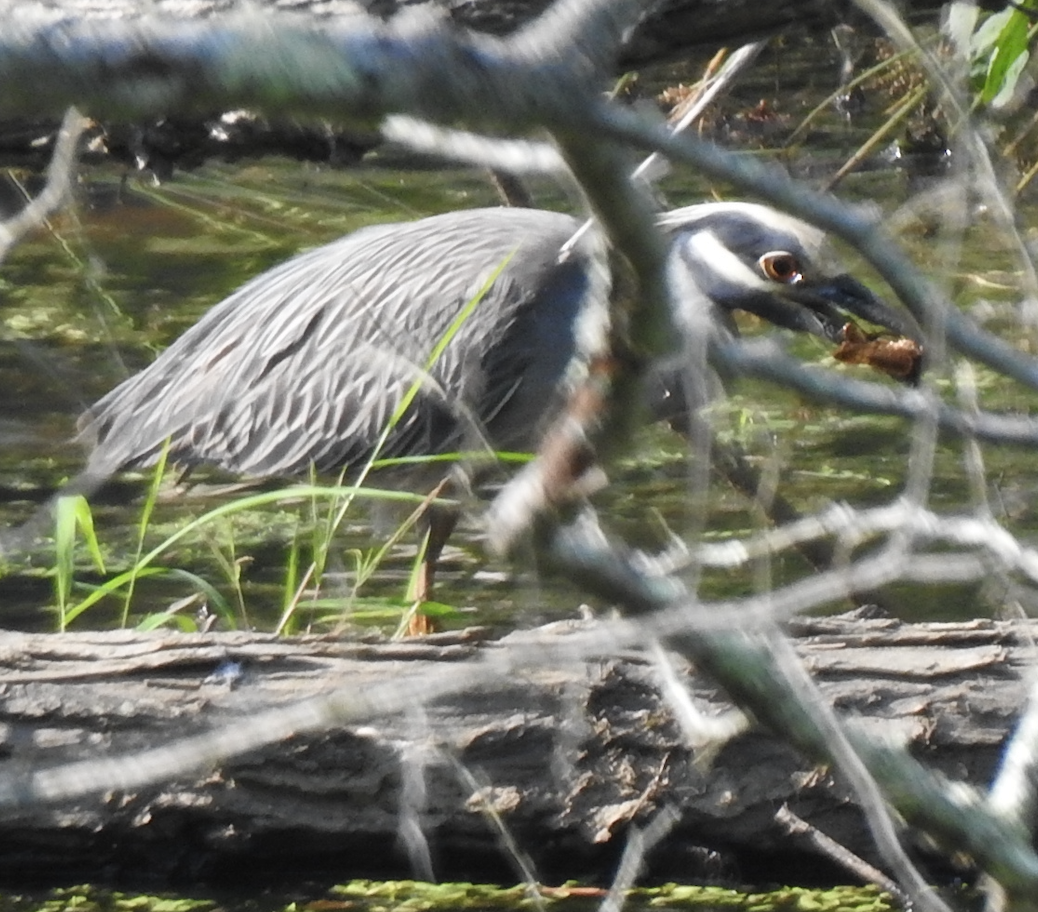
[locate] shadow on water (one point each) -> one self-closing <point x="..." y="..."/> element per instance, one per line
<point x="93" y="298"/>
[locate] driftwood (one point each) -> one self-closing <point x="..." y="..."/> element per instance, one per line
<point x="569" y="759"/>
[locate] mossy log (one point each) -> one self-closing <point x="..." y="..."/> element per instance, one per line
<point x="568" y="759"/>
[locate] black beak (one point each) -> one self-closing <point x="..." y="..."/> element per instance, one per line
<point x="831" y="303"/>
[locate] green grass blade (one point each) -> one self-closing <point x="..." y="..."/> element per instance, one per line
<point x="64" y="556"/>
<point x="457" y="456"/>
<point x="143" y="522"/>
<point x="292" y="590"/>
<point x="85" y="522"/>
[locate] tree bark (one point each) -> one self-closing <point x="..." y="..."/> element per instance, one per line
<point x="568" y="759"/>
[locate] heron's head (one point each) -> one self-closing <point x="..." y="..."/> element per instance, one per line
<point x="743" y="256"/>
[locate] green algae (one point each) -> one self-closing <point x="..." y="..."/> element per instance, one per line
<point x="93" y="899"/>
<point x="417" y="896"/>
<point x="793" y="899"/>
<point x="422" y="897"/>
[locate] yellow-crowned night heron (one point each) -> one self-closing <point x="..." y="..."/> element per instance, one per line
<point x="304" y="366"/>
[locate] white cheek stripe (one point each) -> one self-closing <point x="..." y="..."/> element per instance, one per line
<point x="687" y="218"/>
<point x="707" y="248"/>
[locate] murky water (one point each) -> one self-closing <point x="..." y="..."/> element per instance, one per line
<point x="94" y="297"/>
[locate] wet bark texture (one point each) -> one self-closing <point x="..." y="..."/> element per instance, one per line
<point x="568" y="759"/>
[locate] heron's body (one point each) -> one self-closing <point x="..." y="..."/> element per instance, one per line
<point x="305" y="365"/>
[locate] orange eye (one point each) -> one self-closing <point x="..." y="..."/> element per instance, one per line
<point x="780" y="266"/>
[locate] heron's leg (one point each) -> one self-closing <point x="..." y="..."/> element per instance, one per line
<point x="436" y="524"/>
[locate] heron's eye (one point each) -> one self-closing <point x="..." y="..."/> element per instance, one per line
<point x="780" y="266"/>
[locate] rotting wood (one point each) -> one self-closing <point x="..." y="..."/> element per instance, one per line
<point x="569" y="758"/>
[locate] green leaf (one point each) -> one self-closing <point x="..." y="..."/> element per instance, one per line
<point x="1009" y="81"/>
<point x="986" y="36"/>
<point x="1005" y="65"/>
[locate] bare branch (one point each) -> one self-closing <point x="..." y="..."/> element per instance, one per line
<point x="513" y="156"/>
<point x="765" y="360"/>
<point x="58" y="189"/>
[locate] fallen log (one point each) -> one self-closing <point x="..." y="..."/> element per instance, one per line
<point x="567" y="759"/>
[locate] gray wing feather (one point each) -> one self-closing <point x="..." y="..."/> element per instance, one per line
<point x="306" y="364"/>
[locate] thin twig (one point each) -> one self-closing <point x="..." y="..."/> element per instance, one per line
<point x="844" y="857"/>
